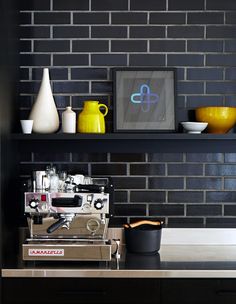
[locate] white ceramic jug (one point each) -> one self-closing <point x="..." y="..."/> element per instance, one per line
<point x="68" y="121"/>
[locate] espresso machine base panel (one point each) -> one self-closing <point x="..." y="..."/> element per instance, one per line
<point x="67" y="252"/>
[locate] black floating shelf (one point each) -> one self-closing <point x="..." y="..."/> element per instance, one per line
<point x="128" y="142"/>
<point x="118" y="136"/>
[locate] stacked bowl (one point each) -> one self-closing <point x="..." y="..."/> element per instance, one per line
<point x="220" y="119"/>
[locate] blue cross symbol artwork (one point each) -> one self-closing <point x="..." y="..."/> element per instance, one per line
<point x="144" y="97"/>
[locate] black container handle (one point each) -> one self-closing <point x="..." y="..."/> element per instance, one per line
<point x="143" y="222"/>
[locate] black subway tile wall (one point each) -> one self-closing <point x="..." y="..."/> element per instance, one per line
<point x="182" y="189"/>
<point x="80" y="41"/>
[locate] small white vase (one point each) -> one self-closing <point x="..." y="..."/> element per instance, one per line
<point x="44" y="112"/>
<point x="68" y="121"/>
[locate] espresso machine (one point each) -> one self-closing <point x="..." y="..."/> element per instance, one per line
<point x="70" y="224"/>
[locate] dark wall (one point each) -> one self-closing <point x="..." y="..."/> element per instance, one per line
<point x="9" y="70"/>
<point x="81" y="40"/>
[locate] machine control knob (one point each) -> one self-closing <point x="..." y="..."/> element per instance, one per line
<point x="33" y="203"/>
<point x="98" y="204"/>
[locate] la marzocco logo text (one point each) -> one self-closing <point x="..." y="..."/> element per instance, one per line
<point x="46" y="252"/>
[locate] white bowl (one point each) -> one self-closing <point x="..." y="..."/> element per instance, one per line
<point x="194" y="127"/>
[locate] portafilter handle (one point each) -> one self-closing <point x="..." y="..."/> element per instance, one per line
<point x="64" y="219"/>
<point x="56" y="225"/>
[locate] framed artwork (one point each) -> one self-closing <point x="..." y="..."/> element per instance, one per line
<point x="144" y="99"/>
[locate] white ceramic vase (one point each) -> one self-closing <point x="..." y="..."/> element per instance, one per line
<point x="68" y="121"/>
<point x="44" y="112"/>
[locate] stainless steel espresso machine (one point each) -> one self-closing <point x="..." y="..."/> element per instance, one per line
<point x="69" y="225"/>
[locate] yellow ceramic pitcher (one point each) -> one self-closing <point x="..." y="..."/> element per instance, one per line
<point x="91" y="119"/>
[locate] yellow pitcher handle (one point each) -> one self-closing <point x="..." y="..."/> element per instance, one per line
<point x="106" y="108"/>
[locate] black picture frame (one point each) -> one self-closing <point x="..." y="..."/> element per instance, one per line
<point x="144" y="99"/>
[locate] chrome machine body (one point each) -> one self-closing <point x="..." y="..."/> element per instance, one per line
<point x="70" y="225"/>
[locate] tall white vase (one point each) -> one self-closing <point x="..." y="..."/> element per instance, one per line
<point x="44" y="112"/>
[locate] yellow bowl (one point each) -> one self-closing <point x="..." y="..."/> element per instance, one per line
<point x="220" y="119"/>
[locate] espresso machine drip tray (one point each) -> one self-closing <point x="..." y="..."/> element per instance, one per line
<point x="67" y="250"/>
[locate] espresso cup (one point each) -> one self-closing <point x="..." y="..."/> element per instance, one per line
<point x="26" y="125"/>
